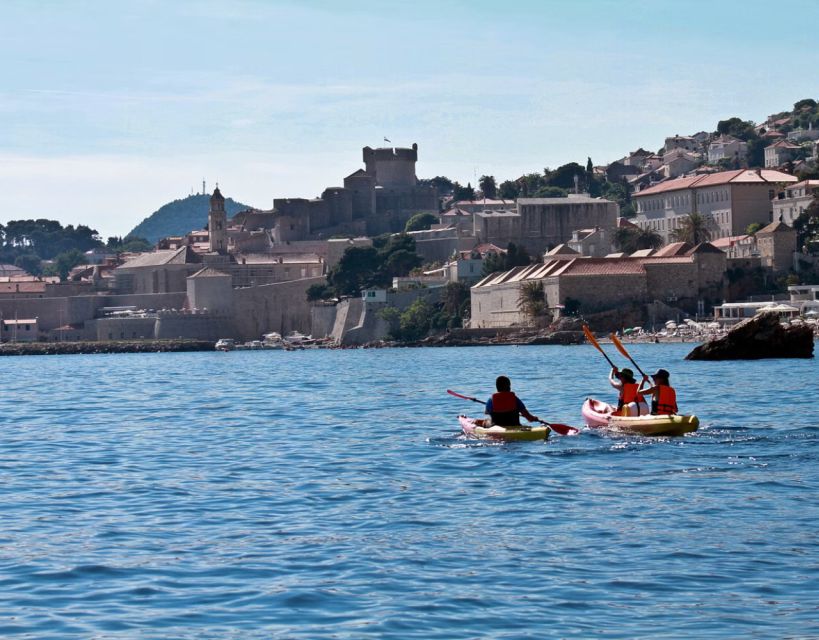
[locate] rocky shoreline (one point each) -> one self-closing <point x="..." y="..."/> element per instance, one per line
<point x="115" y="346"/>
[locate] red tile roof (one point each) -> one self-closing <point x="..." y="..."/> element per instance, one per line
<point x="673" y="249"/>
<point x="739" y="176"/>
<point x="601" y="267"/>
<point x="22" y="287"/>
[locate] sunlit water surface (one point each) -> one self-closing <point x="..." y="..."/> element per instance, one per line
<point x="328" y="494"/>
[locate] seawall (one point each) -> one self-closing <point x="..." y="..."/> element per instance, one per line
<point x="113" y="346"/>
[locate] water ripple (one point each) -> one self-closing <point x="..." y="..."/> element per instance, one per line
<point x="330" y="495"/>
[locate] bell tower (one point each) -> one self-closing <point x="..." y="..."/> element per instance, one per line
<point x="217" y="223"/>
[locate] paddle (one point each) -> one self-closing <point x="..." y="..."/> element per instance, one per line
<point x="615" y="340"/>
<point x="590" y="337"/>
<point x="562" y="429"/>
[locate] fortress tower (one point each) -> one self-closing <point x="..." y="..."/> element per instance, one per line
<point x="392" y="167"/>
<point x="217" y="223"/>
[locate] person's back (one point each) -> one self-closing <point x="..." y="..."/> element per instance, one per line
<point x="504" y="407"/>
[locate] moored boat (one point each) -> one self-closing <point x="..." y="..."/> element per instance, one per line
<point x="599" y="414"/>
<point x="225" y="344"/>
<point x="475" y="427"/>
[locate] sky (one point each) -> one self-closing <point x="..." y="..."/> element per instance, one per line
<point x="108" y="110"/>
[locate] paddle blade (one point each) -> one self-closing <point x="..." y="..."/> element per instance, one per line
<point x="590" y="337"/>
<point x="563" y="429"/>
<point x="616" y="342"/>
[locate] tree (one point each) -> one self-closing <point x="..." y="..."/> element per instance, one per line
<point x="64" y="263"/>
<point x="806" y="102"/>
<point x="415" y="321"/>
<point x="516" y="256"/>
<point x="354" y="271"/>
<point x="399" y="263"/>
<point x="550" y="192"/>
<point x="317" y="292"/>
<point x="631" y="239"/>
<point x="493" y="262"/>
<point x="442" y="183"/>
<point x="488" y="186"/>
<point x="508" y="190"/>
<point x="421" y="222"/>
<point x="564" y="175"/>
<point x="453" y="297"/>
<point x="693" y="229"/>
<point x="753" y="228"/>
<point x="738" y="128"/>
<point x="532" y="300"/>
<point x="30" y="263"/>
<point x="806" y="225"/>
<point x="463" y="193"/>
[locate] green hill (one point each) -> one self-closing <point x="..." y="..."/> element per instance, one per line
<point x="180" y="217"/>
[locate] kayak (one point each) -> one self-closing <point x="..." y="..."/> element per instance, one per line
<point x="598" y="414"/>
<point x="474" y="427"/>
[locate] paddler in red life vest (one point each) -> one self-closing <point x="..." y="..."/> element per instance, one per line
<point x="630" y="402"/>
<point x="664" y="398"/>
<point x="504" y="408"/>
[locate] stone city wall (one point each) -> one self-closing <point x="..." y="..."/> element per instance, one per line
<point x="281" y="307"/>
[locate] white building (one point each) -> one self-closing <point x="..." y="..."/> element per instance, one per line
<point x="727" y="147"/>
<point x="794" y="200"/>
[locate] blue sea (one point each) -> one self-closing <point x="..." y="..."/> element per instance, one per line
<point x="328" y="494"/>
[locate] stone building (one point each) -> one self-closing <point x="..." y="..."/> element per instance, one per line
<point x="777" y="244"/>
<point x="682" y="278"/>
<point x="729" y="201"/>
<point x="542" y="223"/>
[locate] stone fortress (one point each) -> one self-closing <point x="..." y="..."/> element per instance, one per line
<point x="377" y="199"/>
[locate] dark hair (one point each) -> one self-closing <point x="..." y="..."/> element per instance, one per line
<point x="503" y="384"/>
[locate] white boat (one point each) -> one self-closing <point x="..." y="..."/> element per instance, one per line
<point x="297" y="339"/>
<point x="225" y="344"/>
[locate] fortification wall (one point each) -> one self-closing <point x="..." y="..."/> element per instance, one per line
<point x="322" y="319"/>
<point x="199" y="326"/>
<point x="281" y="307"/>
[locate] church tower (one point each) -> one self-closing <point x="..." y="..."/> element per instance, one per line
<point x="217" y="223"/>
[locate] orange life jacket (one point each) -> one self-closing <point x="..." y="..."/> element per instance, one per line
<point x="628" y="393"/>
<point x="505" y="409"/>
<point x="666" y="401"/>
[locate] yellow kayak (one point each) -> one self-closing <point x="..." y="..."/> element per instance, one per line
<point x="475" y="427"/>
<point x="599" y="414"/>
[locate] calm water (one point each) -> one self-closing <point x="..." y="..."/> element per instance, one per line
<point x="324" y="494"/>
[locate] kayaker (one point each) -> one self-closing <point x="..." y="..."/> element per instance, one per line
<point x="630" y="402"/>
<point x="664" y="398"/>
<point x="504" y="408"/>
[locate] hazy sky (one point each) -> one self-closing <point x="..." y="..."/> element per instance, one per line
<point x="110" y="109"/>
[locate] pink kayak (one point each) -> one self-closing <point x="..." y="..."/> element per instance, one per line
<point x="475" y="427"/>
<point x="598" y="414"/>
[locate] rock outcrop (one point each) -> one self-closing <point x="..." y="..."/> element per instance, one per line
<point x="759" y="337"/>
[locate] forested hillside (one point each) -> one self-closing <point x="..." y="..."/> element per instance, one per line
<point x="180" y="216"/>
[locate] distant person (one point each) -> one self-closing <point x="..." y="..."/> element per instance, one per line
<point x="630" y="401"/>
<point x="663" y="396"/>
<point x="504" y="408"/>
